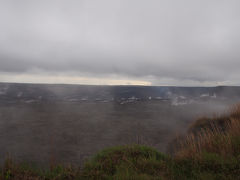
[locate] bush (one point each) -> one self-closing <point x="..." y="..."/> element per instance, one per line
<point x="126" y="161"/>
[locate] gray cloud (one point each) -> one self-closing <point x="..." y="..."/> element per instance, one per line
<point x="185" y="41"/>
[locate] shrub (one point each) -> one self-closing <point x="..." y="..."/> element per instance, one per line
<point x="126" y="161"/>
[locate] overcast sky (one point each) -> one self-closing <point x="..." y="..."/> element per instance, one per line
<point x="150" y="42"/>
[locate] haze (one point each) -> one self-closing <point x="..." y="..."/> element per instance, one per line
<point x="167" y="42"/>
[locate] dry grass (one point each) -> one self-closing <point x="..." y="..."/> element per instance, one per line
<point x="220" y="135"/>
<point x="23" y="171"/>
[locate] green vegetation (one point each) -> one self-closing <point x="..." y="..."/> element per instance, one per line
<point x="126" y="162"/>
<point x="211" y="150"/>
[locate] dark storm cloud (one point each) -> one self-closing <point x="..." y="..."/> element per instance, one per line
<point x="178" y="40"/>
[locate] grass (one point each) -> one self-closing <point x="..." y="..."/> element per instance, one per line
<point x="210" y="150"/>
<point x="220" y="135"/>
<point x="23" y="171"/>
